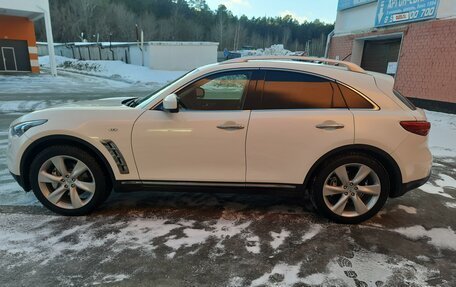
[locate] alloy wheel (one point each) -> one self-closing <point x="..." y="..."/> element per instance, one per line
<point x="351" y="190"/>
<point x="66" y="182"/>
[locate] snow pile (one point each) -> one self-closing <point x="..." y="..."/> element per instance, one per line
<point x="438" y="186"/>
<point x="116" y="70"/>
<point x="274" y="50"/>
<point x="442" y="238"/>
<point x="442" y="138"/>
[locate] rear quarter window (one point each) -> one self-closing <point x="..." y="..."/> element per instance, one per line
<point x="355" y="100"/>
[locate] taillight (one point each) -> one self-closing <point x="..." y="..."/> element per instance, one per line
<point x="417" y="127"/>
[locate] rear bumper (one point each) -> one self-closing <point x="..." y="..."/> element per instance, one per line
<point x="410" y="186"/>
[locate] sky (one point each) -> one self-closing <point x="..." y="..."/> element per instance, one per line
<point x="301" y="10"/>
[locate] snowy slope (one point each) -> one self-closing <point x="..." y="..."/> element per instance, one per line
<point x="114" y="69"/>
<point x="442" y="138"/>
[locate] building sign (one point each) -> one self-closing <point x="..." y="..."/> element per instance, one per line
<point x="392" y="68"/>
<point x="391" y="12"/>
<point x="346" y="4"/>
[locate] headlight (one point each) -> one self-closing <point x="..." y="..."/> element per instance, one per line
<point x="20" y="129"/>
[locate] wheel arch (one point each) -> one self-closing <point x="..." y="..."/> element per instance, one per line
<point x="385" y="159"/>
<point x="54" y="140"/>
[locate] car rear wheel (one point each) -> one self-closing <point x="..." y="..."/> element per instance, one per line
<point x="350" y="188"/>
<point x="68" y="180"/>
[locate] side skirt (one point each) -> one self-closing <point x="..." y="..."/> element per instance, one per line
<point x="226" y="187"/>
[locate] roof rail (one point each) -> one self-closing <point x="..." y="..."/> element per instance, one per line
<point x="350" y="66"/>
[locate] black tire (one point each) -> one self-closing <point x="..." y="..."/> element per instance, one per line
<point x="327" y="168"/>
<point x="101" y="187"/>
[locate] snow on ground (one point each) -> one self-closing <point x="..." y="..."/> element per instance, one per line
<point x="109" y="279"/>
<point x="442" y="138"/>
<point x="117" y="70"/>
<point x="438" y="186"/>
<point x="312" y="232"/>
<point x="372" y="269"/>
<point x="28" y="106"/>
<point x="442" y="238"/>
<point x="278" y="238"/>
<point x="64" y="83"/>
<point x="137" y="233"/>
<point x="286" y="274"/>
<point x="407" y="209"/>
<point x="365" y="269"/>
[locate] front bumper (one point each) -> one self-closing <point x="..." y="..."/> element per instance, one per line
<point x="20" y="181"/>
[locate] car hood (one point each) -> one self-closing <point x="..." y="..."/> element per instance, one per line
<point x="107" y="102"/>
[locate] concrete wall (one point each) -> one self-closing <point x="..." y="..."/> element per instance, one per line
<point x="21" y="28"/>
<point x="427" y="66"/>
<point x="179" y="56"/>
<point x="171" y="56"/>
<point x="93" y="52"/>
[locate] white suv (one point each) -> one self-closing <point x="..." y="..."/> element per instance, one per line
<point x="286" y="123"/>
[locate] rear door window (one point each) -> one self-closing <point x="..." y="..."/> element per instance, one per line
<point x="294" y="90"/>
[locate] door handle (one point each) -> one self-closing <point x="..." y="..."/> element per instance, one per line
<point x="230" y="126"/>
<point x="330" y="125"/>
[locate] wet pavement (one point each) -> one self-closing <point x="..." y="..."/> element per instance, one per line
<point x="209" y="239"/>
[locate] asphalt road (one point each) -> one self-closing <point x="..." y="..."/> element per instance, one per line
<point x="201" y="239"/>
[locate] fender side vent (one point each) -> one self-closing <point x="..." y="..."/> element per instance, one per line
<point x="116" y="155"/>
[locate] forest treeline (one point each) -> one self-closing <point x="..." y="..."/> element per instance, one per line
<point x="177" y="20"/>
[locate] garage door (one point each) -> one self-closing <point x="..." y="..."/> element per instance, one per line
<point x="377" y="54"/>
<point x="14" y="56"/>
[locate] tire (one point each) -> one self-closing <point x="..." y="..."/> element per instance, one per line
<point x="59" y="175"/>
<point x="352" y="196"/>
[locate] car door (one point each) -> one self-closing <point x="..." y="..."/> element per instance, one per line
<point x="296" y="119"/>
<point x="204" y="141"/>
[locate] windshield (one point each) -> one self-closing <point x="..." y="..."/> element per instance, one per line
<point x="151" y="96"/>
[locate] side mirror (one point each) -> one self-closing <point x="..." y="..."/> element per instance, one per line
<point x="170" y="103"/>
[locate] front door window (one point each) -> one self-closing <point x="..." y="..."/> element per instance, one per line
<point x="224" y="91"/>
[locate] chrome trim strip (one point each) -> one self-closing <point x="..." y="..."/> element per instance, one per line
<point x="182" y="183"/>
<point x="266" y="185"/>
<point x="218" y="184"/>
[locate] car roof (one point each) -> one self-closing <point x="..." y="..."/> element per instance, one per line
<point x="333" y="72"/>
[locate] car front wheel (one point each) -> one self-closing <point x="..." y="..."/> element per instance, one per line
<point x="68" y="180"/>
<point x="350" y="188"/>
